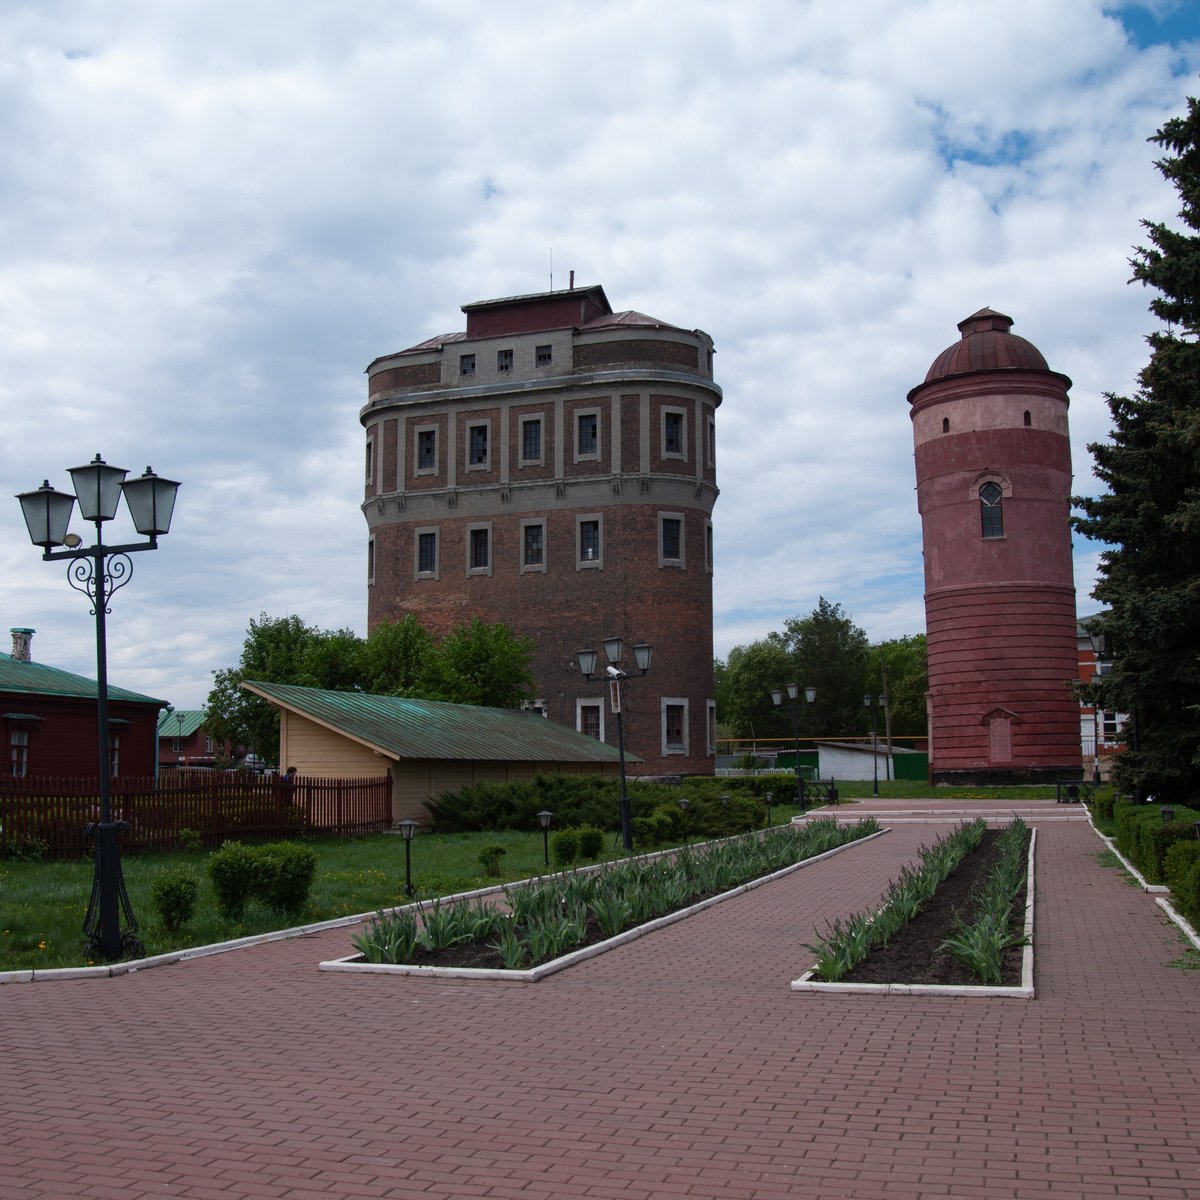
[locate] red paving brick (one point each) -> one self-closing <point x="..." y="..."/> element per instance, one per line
<point x="679" y="1065"/>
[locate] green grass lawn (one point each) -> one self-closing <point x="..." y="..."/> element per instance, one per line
<point x="43" y="904"/>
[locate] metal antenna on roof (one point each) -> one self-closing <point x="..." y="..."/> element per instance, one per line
<point x="552" y="268"/>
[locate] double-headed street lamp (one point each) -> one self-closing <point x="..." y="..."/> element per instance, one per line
<point x="875" y="704"/>
<point x="97" y="572"/>
<point x="793" y="707"/>
<point x="587" y="668"/>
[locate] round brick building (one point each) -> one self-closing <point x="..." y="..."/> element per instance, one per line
<point x="553" y="468"/>
<point x="993" y="461"/>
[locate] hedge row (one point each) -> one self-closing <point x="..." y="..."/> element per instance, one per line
<point x="1145" y="838"/>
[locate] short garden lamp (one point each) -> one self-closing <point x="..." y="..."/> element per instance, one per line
<point x="407" y="828"/>
<point x="685" y="804"/>
<point x="544" y="818"/>
<point x="1167" y="813"/>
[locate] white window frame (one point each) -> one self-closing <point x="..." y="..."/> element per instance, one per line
<point x="473" y="528"/>
<point x="581" y="703"/>
<point x="680" y="562"/>
<point x="680" y="455"/>
<point x="484" y="423"/>
<point x="534" y="568"/>
<point x="710" y="726"/>
<point x="436" y="573"/>
<point x="675" y="702"/>
<point x="580" y="562"/>
<point x="541" y="458"/>
<point x="577" y="416"/>
<point x="417" y="432"/>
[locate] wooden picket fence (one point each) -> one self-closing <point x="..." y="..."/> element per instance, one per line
<point x="48" y="815"/>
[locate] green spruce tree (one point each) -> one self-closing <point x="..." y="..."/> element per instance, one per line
<point x="1149" y="516"/>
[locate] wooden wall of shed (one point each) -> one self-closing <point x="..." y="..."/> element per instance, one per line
<point x="319" y="752"/>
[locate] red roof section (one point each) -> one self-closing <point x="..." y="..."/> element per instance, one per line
<point x="986" y="345"/>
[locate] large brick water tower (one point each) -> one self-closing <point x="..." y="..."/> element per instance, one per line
<point x="993" y="461"/>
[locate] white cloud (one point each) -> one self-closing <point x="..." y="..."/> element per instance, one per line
<point x="217" y="215"/>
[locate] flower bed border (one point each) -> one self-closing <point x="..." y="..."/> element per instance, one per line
<point x="1023" y="991"/>
<point x="353" y="963"/>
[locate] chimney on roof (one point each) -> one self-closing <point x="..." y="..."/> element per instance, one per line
<point x="20" y="644"/>
<point x="572" y="281"/>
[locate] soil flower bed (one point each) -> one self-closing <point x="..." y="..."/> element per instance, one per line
<point x="550" y="923"/>
<point x="918" y="955"/>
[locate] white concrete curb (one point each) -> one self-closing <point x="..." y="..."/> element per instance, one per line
<point x="1025" y="991"/>
<point x="353" y="964"/>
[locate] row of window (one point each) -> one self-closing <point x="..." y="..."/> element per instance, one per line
<point x="543" y="356"/>
<point x="426" y="458"/>
<point x="1026" y="420"/>
<point x="589" y="720"/>
<point x="18" y="753"/>
<point x="589" y="546"/>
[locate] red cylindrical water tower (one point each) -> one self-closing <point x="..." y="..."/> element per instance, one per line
<point x="993" y="462"/>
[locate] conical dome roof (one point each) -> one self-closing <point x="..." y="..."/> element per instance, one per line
<point x="986" y="345"/>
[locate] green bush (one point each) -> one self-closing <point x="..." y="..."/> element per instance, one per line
<point x="1181" y="870"/>
<point x="489" y="860"/>
<point x="564" y="845"/>
<point x="233" y="872"/>
<point x="173" y="894"/>
<point x="1161" y="838"/>
<point x="591" y="842"/>
<point x="284" y="875"/>
<point x="279" y="875"/>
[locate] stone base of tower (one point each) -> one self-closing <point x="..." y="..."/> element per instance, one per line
<point x="1008" y="776"/>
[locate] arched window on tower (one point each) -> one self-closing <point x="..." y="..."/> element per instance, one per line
<point x="991" y="512"/>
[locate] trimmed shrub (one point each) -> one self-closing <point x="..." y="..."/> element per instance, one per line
<point x="284" y="875"/>
<point x="1181" y="870"/>
<point x="591" y="842"/>
<point x="489" y="860"/>
<point x="233" y="872"/>
<point x="1161" y="838"/>
<point x="564" y="845"/>
<point x="173" y="894"/>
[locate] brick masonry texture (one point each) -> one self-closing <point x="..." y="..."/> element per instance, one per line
<point x="679" y="1065"/>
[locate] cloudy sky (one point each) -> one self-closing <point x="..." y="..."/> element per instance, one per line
<point x="216" y="214"/>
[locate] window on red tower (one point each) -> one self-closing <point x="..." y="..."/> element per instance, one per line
<point x="991" y="511"/>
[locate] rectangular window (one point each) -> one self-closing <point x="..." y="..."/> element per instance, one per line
<point x="670" y="539"/>
<point x="588" y="719"/>
<point x="479" y="549"/>
<point x="18" y="753"/>
<point x="587" y="439"/>
<point x="114" y="754"/>
<point x="427" y="554"/>
<point x="370" y="459"/>
<point x="711" y="725"/>
<point x="477" y="446"/>
<point x="533" y="549"/>
<point x="176" y="745"/>
<point x="466" y="364"/>
<point x="542" y="356"/>
<point x="589" y="544"/>
<point x="674" y="725"/>
<point x="208" y="744"/>
<point x="370" y="560"/>
<point x="426" y="450"/>
<point x="531" y="440"/>
<point x="504" y="360"/>
<point x="673" y="434"/>
<point x="712" y="442"/>
<point x="708" y="547"/>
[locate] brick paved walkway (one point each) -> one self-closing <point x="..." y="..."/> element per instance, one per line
<point x="679" y="1065"/>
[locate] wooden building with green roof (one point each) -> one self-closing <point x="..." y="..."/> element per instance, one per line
<point x="428" y="747"/>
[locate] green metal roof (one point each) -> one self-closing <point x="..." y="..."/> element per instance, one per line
<point x="169" y="724"/>
<point x="402" y="727"/>
<point x="37" y="679"/>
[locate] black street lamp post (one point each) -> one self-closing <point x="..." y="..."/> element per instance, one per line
<point x="97" y="572"/>
<point x="407" y="828"/>
<point x="642" y="653"/>
<point x="544" y="818"/>
<point x="875" y="704"/>
<point x="793" y="707"/>
<point x="685" y="804"/>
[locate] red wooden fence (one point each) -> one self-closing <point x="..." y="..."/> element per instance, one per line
<point x="48" y="815"/>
